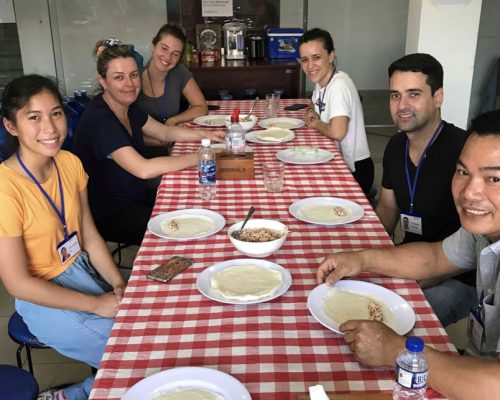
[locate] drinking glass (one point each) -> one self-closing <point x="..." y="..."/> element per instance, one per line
<point x="274" y="176"/>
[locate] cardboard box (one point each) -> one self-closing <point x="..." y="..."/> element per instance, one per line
<point x="234" y="166"/>
<point x="283" y="42"/>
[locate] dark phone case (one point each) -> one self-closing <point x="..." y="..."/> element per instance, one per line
<point x="296" y="107"/>
<point x="213" y="107"/>
<point x="170" y="268"/>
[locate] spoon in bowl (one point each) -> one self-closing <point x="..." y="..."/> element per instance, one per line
<point x="247" y="118"/>
<point x="236" y="235"/>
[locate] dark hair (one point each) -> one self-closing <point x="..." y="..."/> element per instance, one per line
<point x="17" y="94"/>
<point x="485" y="124"/>
<point x="321" y="35"/>
<point x="19" y="91"/>
<point x="176" y="31"/>
<point x="420" y="62"/>
<point x="106" y="54"/>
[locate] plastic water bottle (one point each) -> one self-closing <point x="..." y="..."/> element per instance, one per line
<point x="410" y="378"/>
<point x="235" y="135"/>
<point x="207" y="184"/>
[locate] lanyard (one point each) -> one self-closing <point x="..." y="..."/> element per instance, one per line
<point x="412" y="186"/>
<point x="61" y="213"/>
<point x="321" y="98"/>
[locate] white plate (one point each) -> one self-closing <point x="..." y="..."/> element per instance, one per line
<point x="252" y="137"/>
<point x="211" y="120"/>
<point x="289" y="156"/>
<point x="204" y="285"/>
<point x="292" y="123"/>
<point x="248" y="149"/>
<point x="154" y="224"/>
<point x="356" y="213"/>
<point x="188" y="377"/>
<point x="404" y="316"/>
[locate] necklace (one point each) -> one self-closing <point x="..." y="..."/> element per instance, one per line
<point x="157" y="103"/>
<point x="320" y="102"/>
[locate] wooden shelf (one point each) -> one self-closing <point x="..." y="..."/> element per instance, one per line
<point x="238" y="75"/>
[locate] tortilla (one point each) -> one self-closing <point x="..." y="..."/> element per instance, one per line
<point x="282" y="124"/>
<point x="325" y="212"/>
<point x="246" y="282"/>
<point x="187" y="225"/>
<point x="189" y="394"/>
<point x="343" y="305"/>
<point x="275" y="135"/>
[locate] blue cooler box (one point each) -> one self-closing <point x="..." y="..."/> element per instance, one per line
<point x="283" y="42"/>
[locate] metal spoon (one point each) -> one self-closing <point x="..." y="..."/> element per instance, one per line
<point x="247" y="118"/>
<point x="236" y="235"/>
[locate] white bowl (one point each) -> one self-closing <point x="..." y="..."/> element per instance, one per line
<point x="246" y="125"/>
<point x="258" y="249"/>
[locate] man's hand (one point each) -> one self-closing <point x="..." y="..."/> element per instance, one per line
<point x="337" y="266"/>
<point x="372" y="343"/>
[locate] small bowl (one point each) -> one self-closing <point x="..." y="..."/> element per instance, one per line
<point x="258" y="249"/>
<point x="246" y="125"/>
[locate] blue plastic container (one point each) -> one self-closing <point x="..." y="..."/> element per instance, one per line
<point x="283" y="42"/>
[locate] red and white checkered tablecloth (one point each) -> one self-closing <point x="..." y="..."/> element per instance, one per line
<point x="276" y="349"/>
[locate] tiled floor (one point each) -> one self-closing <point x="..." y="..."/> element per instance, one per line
<point x="52" y="369"/>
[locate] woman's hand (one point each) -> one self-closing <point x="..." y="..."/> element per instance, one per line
<point x="214" y="136"/>
<point x="311" y="117"/>
<point x="106" y="305"/>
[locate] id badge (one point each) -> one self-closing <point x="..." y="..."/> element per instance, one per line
<point x="411" y="223"/>
<point x="475" y="329"/>
<point x="68" y="247"/>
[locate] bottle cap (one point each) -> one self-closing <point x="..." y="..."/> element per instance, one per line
<point x="205" y="142"/>
<point x="414" y="344"/>
<point x="235" y="116"/>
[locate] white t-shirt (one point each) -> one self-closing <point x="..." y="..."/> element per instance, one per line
<point x="342" y="99"/>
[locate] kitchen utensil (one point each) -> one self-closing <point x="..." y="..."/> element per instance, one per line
<point x="247" y="118"/>
<point x="236" y="235"/>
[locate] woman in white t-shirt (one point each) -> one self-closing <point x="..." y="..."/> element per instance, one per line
<point x="335" y="108"/>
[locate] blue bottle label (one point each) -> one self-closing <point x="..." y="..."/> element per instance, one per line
<point x="411" y="380"/>
<point x="206" y="172"/>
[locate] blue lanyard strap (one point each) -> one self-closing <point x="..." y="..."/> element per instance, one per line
<point x="413" y="185"/>
<point x="60" y="214"/>
<point x="320" y="102"/>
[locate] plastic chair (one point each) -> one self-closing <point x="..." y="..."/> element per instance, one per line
<point x="17" y="384"/>
<point x="19" y="333"/>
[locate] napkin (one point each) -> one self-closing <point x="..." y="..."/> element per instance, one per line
<point x="317" y="393"/>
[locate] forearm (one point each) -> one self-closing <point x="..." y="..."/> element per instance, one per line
<point x="48" y="294"/>
<point x="463" y="377"/>
<point x="327" y="130"/>
<point x="191" y="113"/>
<point x="163" y="165"/>
<point x="409" y="261"/>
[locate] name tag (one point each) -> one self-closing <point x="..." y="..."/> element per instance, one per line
<point x="68" y="248"/>
<point x="411" y="223"/>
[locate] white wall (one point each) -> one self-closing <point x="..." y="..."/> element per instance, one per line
<point x="35" y="39"/>
<point x="76" y="26"/>
<point x="291" y="13"/>
<point x="368" y="36"/>
<point x="487" y="52"/>
<point x="448" y="30"/>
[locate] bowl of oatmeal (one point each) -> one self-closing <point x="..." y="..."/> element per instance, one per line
<point x="259" y="238"/>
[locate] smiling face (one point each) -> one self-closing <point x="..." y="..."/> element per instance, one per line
<point x="316" y="62"/>
<point x="476" y="186"/>
<point x="122" y="83"/>
<point x="413" y="106"/>
<point x="40" y="126"/>
<point x="167" y="53"/>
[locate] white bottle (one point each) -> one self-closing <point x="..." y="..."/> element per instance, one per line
<point x="410" y="377"/>
<point x="235" y="135"/>
<point x="207" y="184"/>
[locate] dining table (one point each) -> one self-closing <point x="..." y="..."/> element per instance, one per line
<point x="276" y="349"/>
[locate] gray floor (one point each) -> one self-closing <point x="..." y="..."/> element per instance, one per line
<point x="52" y="369"/>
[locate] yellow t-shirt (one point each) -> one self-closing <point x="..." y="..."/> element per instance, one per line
<point x="24" y="211"/>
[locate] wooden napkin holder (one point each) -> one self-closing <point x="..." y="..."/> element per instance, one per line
<point x="234" y="166"/>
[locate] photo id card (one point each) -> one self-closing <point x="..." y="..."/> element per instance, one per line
<point x="475" y="330"/>
<point x="411" y="223"/>
<point x="68" y="247"/>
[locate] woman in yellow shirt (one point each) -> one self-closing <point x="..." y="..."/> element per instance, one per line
<point x="52" y="259"/>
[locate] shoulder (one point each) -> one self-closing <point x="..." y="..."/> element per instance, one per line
<point x="181" y="69"/>
<point x="454" y="133"/>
